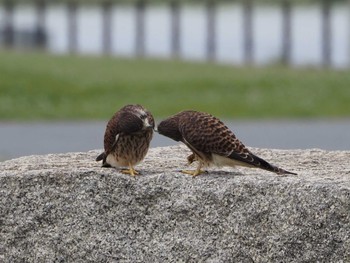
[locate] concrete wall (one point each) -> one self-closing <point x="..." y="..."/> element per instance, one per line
<point x="66" y="208"/>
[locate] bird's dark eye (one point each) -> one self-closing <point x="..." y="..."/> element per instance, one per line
<point x="143" y="116"/>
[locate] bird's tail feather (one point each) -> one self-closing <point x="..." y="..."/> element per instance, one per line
<point x="102" y="156"/>
<point x="269" y="167"/>
<point x="255" y="161"/>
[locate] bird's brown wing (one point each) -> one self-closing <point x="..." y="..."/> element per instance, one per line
<point x="205" y="134"/>
<point x="123" y="122"/>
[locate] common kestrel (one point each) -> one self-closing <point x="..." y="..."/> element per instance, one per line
<point x="211" y="142"/>
<point x="127" y="138"/>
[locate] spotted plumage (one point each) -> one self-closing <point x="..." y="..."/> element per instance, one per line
<point x="127" y="138"/>
<point x="211" y="142"/>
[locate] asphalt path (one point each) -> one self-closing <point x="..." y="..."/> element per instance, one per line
<point x="20" y="139"/>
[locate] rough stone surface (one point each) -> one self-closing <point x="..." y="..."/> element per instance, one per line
<point x="66" y="208"/>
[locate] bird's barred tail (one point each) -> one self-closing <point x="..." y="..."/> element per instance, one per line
<point x="102" y="156"/>
<point x="254" y="161"/>
<point x="269" y="167"/>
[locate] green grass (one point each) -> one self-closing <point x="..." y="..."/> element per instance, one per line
<point x="42" y="87"/>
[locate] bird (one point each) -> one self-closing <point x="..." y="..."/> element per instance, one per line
<point x="211" y="142"/>
<point x="127" y="138"/>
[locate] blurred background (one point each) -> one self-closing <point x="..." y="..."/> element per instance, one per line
<point x="276" y="71"/>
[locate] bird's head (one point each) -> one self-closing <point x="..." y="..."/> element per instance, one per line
<point x="145" y="117"/>
<point x="170" y="128"/>
<point x="134" y="118"/>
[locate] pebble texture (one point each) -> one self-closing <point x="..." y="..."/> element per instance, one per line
<point x="66" y="208"/>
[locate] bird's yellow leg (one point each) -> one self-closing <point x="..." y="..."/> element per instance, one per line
<point x="130" y="171"/>
<point x="191" y="158"/>
<point x="194" y="173"/>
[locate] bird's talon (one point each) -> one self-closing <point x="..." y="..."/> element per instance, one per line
<point x="187" y="172"/>
<point x="191" y="158"/>
<point x="194" y="173"/>
<point x="130" y="171"/>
